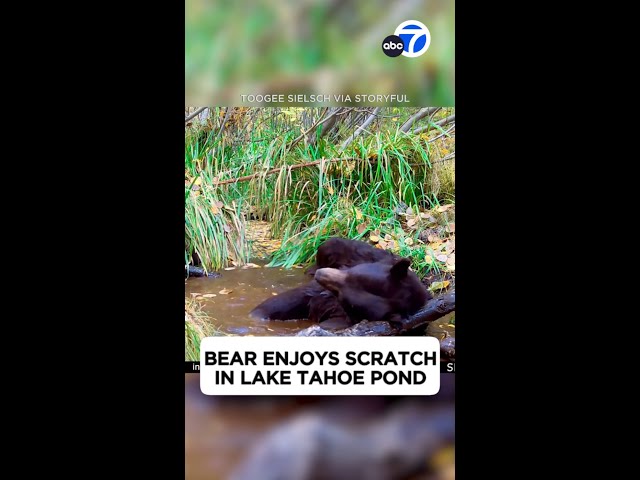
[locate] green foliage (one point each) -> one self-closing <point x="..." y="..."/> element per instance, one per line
<point x="196" y="326"/>
<point x="378" y="177"/>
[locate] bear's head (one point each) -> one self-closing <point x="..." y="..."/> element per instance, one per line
<point x="375" y="291"/>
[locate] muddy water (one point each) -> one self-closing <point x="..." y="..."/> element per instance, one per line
<point x="219" y="434"/>
<point x="249" y="287"/>
<point x="221" y="431"/>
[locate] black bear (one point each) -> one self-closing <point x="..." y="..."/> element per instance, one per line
<point x="353" y="281"/>
<point x="375" y="291"/>
<point x="289" y="305"/>
<point x="297" y="303"/>
<point x="344" y="253"/>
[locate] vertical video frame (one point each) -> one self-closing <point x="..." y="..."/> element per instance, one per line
<point x="305" y="221"/>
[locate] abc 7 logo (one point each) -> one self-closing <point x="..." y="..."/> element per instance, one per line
<point x="411" y="39"/>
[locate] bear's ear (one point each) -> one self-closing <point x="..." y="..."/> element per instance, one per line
<point x="399" y="270"/>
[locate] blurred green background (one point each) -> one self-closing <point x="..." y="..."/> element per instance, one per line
<point x="314" y="47"/>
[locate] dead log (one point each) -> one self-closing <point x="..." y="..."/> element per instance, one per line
<point x="279" y="169"/>
<point x="193" y="271"/>
<point x="434" y="309"/>
<point x="377" y="329"/>
<point x="448" y="347"/>
<point x="362" y="329"/>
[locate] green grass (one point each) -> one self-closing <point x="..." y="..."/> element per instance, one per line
<point x="389" y="169"/>
<point x="196" y="326"/>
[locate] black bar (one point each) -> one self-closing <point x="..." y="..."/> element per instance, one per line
<point x="191" y="367"/>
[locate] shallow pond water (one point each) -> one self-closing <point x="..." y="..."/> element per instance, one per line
<point x="229" y="312"/>
<point x="221" y="431"/>
<point x="249" y="287"/>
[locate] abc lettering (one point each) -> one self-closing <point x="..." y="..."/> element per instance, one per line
<point x="393" y="46"/>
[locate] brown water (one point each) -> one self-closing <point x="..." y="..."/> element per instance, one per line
<point x="220" y="432"/>
<point x="249" y="287"/>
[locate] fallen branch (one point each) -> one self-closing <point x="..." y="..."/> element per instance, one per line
<point x="434" y="309"/>
<point x="440" y="123"/>
<point x="448" y="348"/>
<point x="194" y="114"/>
<point x="311" y="128"/>
<point x="442" y="134"/>
<point x="423" y="112"/>
<point x="277" y="169"/>
<point x="362" y="329"/>
<point x="227" y="114"/>
<point x="331" y="118"/>
<point x="362" y="127"/>
<point x="308" y="164"/>
<point x="193" y="271"/>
